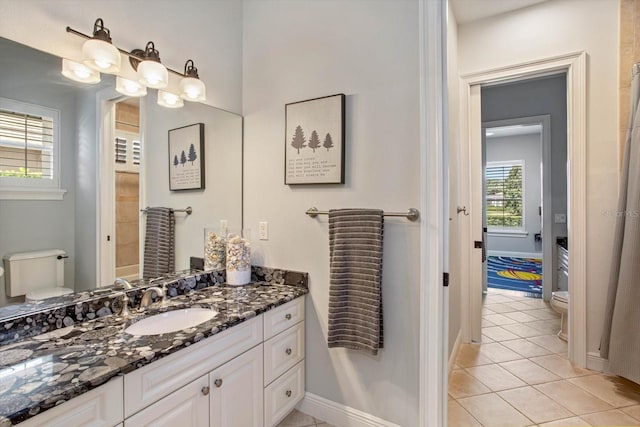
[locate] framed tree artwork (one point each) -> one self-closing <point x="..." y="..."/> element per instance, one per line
<point x="314" y="141"/>
<point x="186" y="158"/>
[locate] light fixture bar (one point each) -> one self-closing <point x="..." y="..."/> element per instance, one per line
<point x="129" y="54"/>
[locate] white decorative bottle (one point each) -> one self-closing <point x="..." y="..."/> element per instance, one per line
<point x="238" y="260"/>
<point x="215" y="249"/>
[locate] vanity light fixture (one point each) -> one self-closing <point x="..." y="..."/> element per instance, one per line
<point x="98" y="52"/>
<point x="130" y="87"/>
<point x="79" y="72"/>
<point x="151" y="72"/>
<point x="169" y="100"/>
<point x="191" y="87"/>
<point x="101" y="55"/>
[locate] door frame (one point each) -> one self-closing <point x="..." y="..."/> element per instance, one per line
<point x="106" y="100"/>
<point x="575" y="67"/>
<point x="434" y="170"/>
<point x="548" y="278"/>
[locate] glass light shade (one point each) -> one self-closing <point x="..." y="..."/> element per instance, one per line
<point x="79" y="72"/>
<point x="130" y="87"/>
<point x="193" y="89"/>
<point x="169" y="100"/>
<point x="153" y="74"/>
<point x="101" y="56"/>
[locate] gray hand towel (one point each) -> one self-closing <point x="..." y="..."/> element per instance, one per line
<point x="355" y="292"/>
<point x="159" y="243"/>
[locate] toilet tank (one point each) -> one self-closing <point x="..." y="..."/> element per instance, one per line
<point x="30" y="271"/>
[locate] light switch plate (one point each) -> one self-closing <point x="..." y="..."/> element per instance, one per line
<point x="560" y="218"/>
<point x="263" y="230"/>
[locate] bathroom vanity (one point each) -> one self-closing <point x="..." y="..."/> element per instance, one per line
<point x="244" y="367"/>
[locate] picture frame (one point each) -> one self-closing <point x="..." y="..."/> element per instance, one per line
<point x="314" y="141"/>
<point x="186" y="158"/>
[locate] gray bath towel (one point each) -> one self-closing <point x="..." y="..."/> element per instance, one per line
<point x="159" y="243"/>
<point x="355" y="292"/>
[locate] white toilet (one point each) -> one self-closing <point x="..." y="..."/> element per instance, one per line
<point x="37" y="275"/>
<point x="560" y="304"/>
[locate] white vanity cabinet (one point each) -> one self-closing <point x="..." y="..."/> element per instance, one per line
<point x="250" y="375"/>
<point x="283" y="360"/>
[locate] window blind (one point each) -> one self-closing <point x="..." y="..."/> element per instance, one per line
<point x="504" y="195"/>
<point x="136" y="152"/>
<point x="26" y="145"/>
<point x="121" y="150"/>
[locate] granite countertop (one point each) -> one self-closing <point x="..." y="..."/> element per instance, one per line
<point x="42" y="371"/>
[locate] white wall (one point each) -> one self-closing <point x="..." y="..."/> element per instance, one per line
<point x="301" y="49"/>
<point x="222" y="195"/>
<point x="209" y="32"/>
<point x="457" y="221"/>
<point x="554" y="28"/>
<point x="526" y="148"/>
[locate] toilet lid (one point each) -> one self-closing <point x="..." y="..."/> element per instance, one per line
<point x="47" y="293"/>
<point x="562" y="296"/>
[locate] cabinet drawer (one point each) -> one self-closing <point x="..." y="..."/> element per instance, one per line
<point x="101" y="406"/>
<point x="283" y="317"/>
<point x="283" y="394"/>
<point x="146" y="385"/>
<point x="283" y="351"/>
<point x="186" y="407"/>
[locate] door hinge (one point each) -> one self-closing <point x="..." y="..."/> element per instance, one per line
<point x="445" y="279"/>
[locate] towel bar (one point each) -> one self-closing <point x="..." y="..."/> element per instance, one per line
<point x="412" y="214"/>
<point x="188" y="210"/>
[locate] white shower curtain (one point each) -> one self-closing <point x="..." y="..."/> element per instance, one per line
<point x="621" y="339"/>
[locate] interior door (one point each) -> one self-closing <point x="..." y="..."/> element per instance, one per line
<point x="477" y="208"/>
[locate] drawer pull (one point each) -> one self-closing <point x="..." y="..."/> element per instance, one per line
<point x="288" y="393"/>
<point x="205" y="391"/>
<point x="218" y="383"/>
<point x="287" y="316"/>
<point x="288" y="351"/>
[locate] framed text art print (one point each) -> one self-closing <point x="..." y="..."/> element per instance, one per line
<point x="314" y="141"/>
<point x="186" y="158"/>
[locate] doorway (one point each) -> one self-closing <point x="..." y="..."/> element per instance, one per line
<point x="120" y="186"/>
<point x="523" y="185"/>
<point x="574" y="69"/>
<point x="127" y="147"/>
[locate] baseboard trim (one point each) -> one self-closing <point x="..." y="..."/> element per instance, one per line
<point x="454" y="352"/>
<point x="338" y="414"/>
<point x="597" y="363"/>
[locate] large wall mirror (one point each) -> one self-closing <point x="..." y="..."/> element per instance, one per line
<point x="98" y="221"/>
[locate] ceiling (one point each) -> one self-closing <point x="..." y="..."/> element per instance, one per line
<point x="472" y="10"/>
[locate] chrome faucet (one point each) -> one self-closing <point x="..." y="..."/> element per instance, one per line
<point x="146" y="297"/>
<point x="121" y="283"/>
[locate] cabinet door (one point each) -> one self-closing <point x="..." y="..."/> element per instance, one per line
<point x="282" y="395"/>
<point x="100" y="407"/>
<point x="236" y="391"/>
<point x="186" y="407"/>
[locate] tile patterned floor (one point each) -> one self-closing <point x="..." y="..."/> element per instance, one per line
<point x="520" y="376"/>
<point x="300" y="419"/>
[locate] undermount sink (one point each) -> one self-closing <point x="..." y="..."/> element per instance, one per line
<point x="171" y="321"/>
